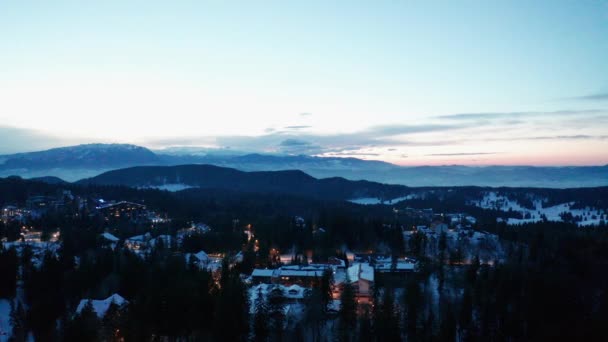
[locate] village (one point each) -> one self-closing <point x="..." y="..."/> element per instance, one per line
<point x="286" y="275"/>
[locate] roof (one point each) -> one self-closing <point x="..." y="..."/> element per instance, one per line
<point x="110" y="237"/>
<point x="141" y="238"/>
<point x="399" y="266"/>
<point x="262" y="273"/>
<point x="106" y="206"/>
<point x="200" y="256"/>
<point x="101" y="306"/>
<point x="367" y="272"/>
<point x="165" y="238"/>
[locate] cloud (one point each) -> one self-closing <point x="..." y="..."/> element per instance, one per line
<point x="312" y="143"/>
<point x="513" y="115"/>
<point x="352" y="154"/>
<point x="568" y="137"/>
<point x="392" y="130"/>
<point x="593" y="97"/>
<point x="553" y="137"/>
<point x="16" y="140"/>
<point x="293" y="142"/>
<point x="461" y="154"/>
<point x="297" y="127"/>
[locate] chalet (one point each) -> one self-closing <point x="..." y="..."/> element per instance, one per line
<point x="138" y="242"/>
<point x="102" y="306"/>
<point x="123" y="209"/>
<point x="109" y="240"/>
<point x="200" y="259"/>
<point x="165" y="239"/>
<point x="262" y="276"/>
<point x="289" y="275"/>
<point x="360" y="276"/>
<point x="399" y="266"/>
<point x="439" y="226"/>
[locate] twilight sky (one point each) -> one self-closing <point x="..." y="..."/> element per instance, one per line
<point x="409" y="82"/>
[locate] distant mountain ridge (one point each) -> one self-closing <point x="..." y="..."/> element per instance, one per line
<point x="81" y="156"/>
<point x="85" y="161"/>
<point x="293" y="182"/>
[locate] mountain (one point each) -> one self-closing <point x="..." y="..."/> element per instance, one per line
<point x="291" y="182"/>
<point x="75" y="162"/>
<point x="81" y="156"/>
<point x="49" y="180"/>
<point x="85" y="161"/>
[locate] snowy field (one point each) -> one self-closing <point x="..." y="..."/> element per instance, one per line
<point x="172" y="187"/>
<point x="492" y="200"/>
<point x="375" y="200"/>
<point x="5" y="328"/>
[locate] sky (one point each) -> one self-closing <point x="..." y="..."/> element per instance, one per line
<point x="408" y="82"/>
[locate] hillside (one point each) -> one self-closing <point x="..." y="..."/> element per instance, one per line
<point x="213" y="177"/>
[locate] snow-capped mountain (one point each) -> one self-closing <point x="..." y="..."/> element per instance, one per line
<point x="84" y="161"/>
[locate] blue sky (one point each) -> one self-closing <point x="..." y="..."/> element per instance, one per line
<point x="468" y="82"/>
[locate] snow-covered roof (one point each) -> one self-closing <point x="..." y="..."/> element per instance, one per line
<point x="101" y="306"/>
<point x="262" y="273"/>
<point x="299" y="273"/>
<point x="200" y="256"/>
<point x="289" y="271"/>
<point x="166" y="240"/>
<point x="139" y="238"/>
<point x="367" y="272"/>
<point x="401" y="265"/>
<point x="110" y="205"/>
<point x="110" y="237"/>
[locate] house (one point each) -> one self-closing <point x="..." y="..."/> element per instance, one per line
<point x="166" y="241"/>
<point x="109" y="240"/>
<point x="200" y="259"/>
<point x="101" y="306"/>
<point x="360" y="276"/>
<point x="289" y="275"/>
<point x="123" y="209"/>
<point x="400" y="266"/>
<point x="109" y="237"/>
<point x="439" y="226"/>
<point x="138" y="241"/>
<point x="262" y="276"/>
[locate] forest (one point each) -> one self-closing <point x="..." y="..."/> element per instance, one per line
<point x="549" y="284"/>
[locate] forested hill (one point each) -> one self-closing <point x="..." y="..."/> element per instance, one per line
<point x="291" y="182"/>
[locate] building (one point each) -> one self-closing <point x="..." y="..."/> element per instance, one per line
<point x="200" y="259"/>
<point x="289" y="275"/>
<point x="138" y="242"/>
<point x="102" y="306"/>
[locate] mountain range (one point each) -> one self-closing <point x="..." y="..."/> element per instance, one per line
<point x="292" y="182"/>
<point x="85" y="161"/>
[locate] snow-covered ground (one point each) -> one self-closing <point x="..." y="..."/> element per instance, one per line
<point x="375" y="200"/>
<point x="5" y="326"/>
<point x="492" y="200"/>
<point x="172" y="187"/>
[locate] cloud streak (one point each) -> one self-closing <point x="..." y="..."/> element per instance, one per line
<point x="15" y="139"/>
<point x="461" y="154"/>
<point x="593" y="97"/>
<point x="520" y="115"/>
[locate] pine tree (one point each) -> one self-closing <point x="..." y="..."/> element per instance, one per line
<point x="447" y="329"/>
<point x="412" y="307"/>
<point x="276" y="305"/>
<point x="85" y="326"/>
<point x="9" y="264"/>
<point x="260" y="318"/>
<point x="365" y="327"/>
<point x="17" y="320"/>
<point x="348" y="310"/>
<point x="326" y="287"/>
